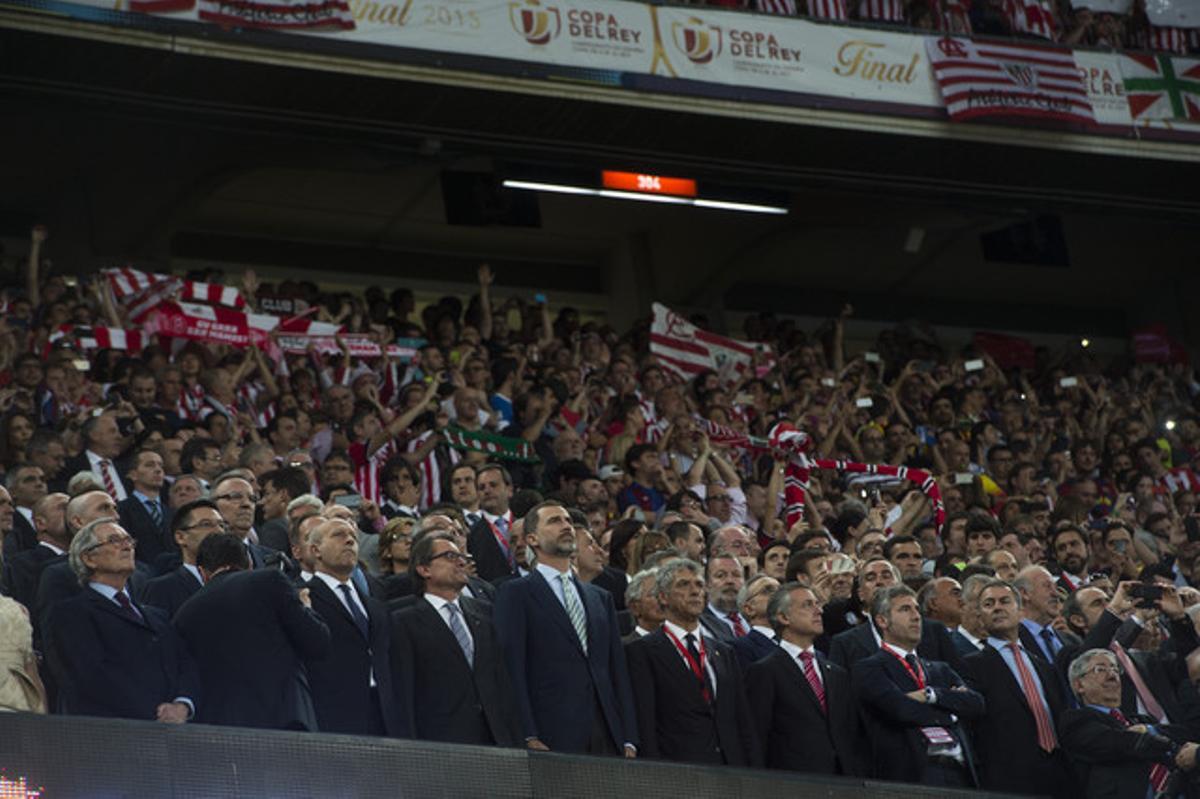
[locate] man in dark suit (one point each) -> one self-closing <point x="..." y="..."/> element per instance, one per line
<point x="452" y="682"/>
<point x="1117" y="756"/>
<point x="102" y="456"/>
<point x="1040" y="631"/>
<point x="911" y="706"/>
<point x="23" y="570"/>
<point x="352" y="685"/>
<point x="1018" y="748"/>
<point x="190" y="525"/>
<point x="564" y="649"/>
<point x="118" y="659"/>
<point x="279" y="487"/>
<point x="801" y="703"/>
<point x="687" y="687"/>
<point x="489" y="540"/>
<point x="143" y="513"/>
<point x="863" y="641"/>
<point x="752" y="601"/>
<point x="236" y="501"/>
<point x="721" y="618"/>
<point x="250" y="633"/>
<point x="26" y="485"/>
<point x="645" y="608"/>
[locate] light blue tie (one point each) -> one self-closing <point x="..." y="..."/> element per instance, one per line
<point x="460" y="632"/>
<point x="574" y="610"/>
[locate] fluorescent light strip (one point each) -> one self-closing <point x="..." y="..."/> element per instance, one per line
<point x="720" y="205"/>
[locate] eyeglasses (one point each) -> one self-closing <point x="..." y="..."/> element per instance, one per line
<point x="115" y="540"/>
<point x="456" y="557"/>
<point x="237" y="496"/>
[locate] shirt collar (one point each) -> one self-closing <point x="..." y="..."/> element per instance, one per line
<point x="194" y="570"/>
<point x="767" y="631"/>
<point x="492" y="517"/>
<point x="550" y="573"/>
<point x="52" y="548"/>
<point x="895" y="649"/>
<point x="679" y="632"/>
<point x="333" y="582"/>
<point x="145" y="499"/>
<point x="439" y="603"/>
<point x="794" y="651"/>
<point x="104" y="590"/>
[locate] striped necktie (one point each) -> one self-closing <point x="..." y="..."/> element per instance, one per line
<point x="574" y="609"/>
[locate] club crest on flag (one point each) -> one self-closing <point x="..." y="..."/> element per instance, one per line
<point x="536" y="24"/>
<point x="1023" y="74"/>
<point x="697" y="40"/>
<point x="952" y="48"/>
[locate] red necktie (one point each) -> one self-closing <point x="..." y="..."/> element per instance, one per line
<point x="1159" y="774"/>
<point x="810" y="672"/>
<point x="739" y="629"/>
<point x="109" y="485"/>
<point x="1041" y="714"/>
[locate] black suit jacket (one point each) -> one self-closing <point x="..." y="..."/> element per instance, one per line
<point x="893" y="720"/>
<point x="443" y="697"/>
<point x="558" y="685"/>
<point x="273" y="534"/>
<point x="1113" y="762"/>
<point x="22" y="572"/>
<point x="80" y="463"/>
<point x="21" y="538"/>
<point x="250" y="634"/>
<point x="752" y="647"/>
<point x="115" y="665"/>
<point x="171" y="590"/>
<point x="491" y="563"/>
<point x="1010" y="759"/>
<point x="716" y="627"/>
<point x="858" y="642"/>
<point x="614" y="582"/>
<point x="674" y="720"/>
<point x="340" y="681"/>
<point x="792" y="731"/>
<point x="153" y="540"/>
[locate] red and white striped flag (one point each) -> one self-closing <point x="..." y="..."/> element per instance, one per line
<point x="1035" y="17"/>
<point x="786" y="8"/>
<point x="687" y="350"/>
<point x="141" y="292"/>
<point x="828" y="9"/>
<point x="984" y="79"/>
<point x="881" y="10"/>
<point x="101" y="338"/>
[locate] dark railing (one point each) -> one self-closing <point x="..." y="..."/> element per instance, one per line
<point x="89" y="758"/>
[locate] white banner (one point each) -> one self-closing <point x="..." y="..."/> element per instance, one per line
<point x="1174" y="13"/>
<point x="1104" y="6"/>
<point x="755" y="51"/>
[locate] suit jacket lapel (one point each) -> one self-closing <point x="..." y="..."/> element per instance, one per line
<point x="109" y="606"/>
<point x="666" y="650"/>
<point x="557" y="612"/>
<point x="325" y="593"/>
<point x="441" y="631"/>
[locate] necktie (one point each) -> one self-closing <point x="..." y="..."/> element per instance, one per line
<point x="1041" y="714"/>
<point x="913" y="663"/>
<point x="814" y="680"/>
<point x="127" y="606"/>
<point x="109" y="485"/>
<point x="155" y="512"/>
<point x="1159" y="774"/>
<point x="1049" y="641"/>
<point x="460" y="632"/>
<point x="1149" y="701"/>
<point x="574" y="610"/>
<point x="360" y="619"/>
<point x="739" y="628"/>
<point x="705" y="683"/>
<point x="502" y="526"/>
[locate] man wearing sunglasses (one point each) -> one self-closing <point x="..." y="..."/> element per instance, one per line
<point x="119" y="659"/>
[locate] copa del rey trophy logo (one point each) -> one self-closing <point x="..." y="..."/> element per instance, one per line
<point x="537" y="24"/>
<point x="697" y="40"/>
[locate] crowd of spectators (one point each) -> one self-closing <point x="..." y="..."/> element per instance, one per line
<point x="532" y="534"/>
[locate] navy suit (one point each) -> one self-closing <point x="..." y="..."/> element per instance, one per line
<point x="491" y="563"/>
<point x="793" y="731"/>
<point x="250" y="635"/>
<point x="152" y="540"/>
<point x="893" y="720"/>
<point x="560" y="688"/>
<point x="753" y="647"/>
<point x="444" y="697"/>
<point x="675" y="722"/>
<point x="340" y="682"/>
<point x="116" y="665"/>
<point x="21" y="538"/>
<point x="171" y="590"/>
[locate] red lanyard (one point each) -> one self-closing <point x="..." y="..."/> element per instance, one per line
<point x="697" y="668"/>
<point x="918" y="676"/>
<point x="500" y="539"/>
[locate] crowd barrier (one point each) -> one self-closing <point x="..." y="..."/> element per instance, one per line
<point x="86" y="758"/>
